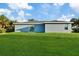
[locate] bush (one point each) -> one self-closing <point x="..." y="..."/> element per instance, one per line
<point x="10" y="29"/>
<point x="2" y="30"/>
<point x="75" y="29"/>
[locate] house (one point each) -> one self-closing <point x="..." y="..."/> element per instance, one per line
<point x="43" y="26"/>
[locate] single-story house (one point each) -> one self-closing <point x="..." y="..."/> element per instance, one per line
<point x="43" y="26"/>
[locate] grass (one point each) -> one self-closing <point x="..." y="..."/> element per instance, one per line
<point x="39" y="44"/>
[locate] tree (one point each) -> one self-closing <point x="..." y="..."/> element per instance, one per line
<point x="76" y="21"/>
<point x="31" y="20"/>
<point x="75" y="25"/>
<point x="5" y="22"/>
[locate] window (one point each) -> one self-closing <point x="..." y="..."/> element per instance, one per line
<point x="66" y="26"/>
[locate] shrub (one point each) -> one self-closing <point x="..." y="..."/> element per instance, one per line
<point x="10" y="29"/>
<point x="75" y="29"/>
<point x="2" y="30"/>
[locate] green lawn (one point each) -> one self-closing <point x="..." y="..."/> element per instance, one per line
<point x="39" y="44"/>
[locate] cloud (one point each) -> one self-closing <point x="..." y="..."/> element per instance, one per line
<point x="58" y="4"/>
<point x="12" y="6"/>
<point x="20" y="19"/>
<point x="12" y="18"/>
<point x="66" y="17"/>
<point x="45" y="8"/>
<point x="23" y="6"/>
<point x="2" y="11"/>
<point x="74" y="6"/>
<point x="21" y="16"/>
<point x="27" y="14"/>
<point x="21" y="13"/>
<point x="54" y="6"/>
<point x="6" y="12"/>
<point x="19" y="9"/>
<point x="45" y="5"/>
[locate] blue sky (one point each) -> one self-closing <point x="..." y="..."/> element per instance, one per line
<point x="40" y="11"/>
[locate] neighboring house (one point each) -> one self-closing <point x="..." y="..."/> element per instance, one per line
<point x="43" y="26"/>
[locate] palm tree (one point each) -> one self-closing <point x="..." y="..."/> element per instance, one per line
<point x="4" y="21"/>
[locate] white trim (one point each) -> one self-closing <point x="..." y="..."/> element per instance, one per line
<point x="58" y="22"/>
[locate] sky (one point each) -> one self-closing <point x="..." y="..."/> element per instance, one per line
<point x="40" y="11"/>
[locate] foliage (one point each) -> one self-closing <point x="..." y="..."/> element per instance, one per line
<point x="75" y="29"/>
<point x="2" y="30"/>
<point x="75" y="25"/>
<point x="76" y="21"/>
<point x="10" y="29"/>
<point x="5" y="23"/>
<point x="31" y="20"/>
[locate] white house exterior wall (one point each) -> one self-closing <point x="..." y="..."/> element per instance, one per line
<point x="57" y="27"/>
